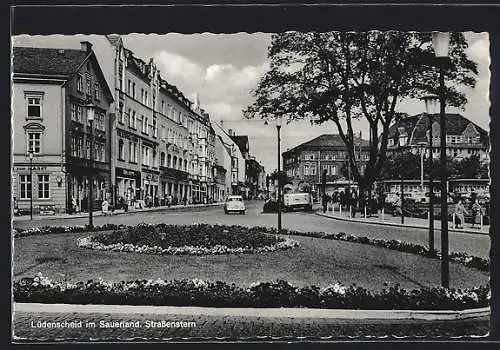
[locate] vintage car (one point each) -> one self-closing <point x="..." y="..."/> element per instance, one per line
<point x="234" y="204"/>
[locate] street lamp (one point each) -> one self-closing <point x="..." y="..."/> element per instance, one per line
<point x="431" y="109"/>
<point x="31" y="183"/>
<point x="278" y="121"/>
<point x="90" y="117"/>
<point x="440" y="43"/>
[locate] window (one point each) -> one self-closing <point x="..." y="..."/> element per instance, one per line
<point x="142" y="124"/>
<point x="97" y="92"/>
<point x="155" y="129"/>
<point x="162" y="159"/>
<point x="133" y="90"/>
<point x="24" y="186"/>
<point x="146" y="98"/>
<point x="311" y="157"/>
<point x="121" y="150"/>
<point x="99" y="152"/>
<point x="185" y="165"/>
<point x="129" y="87"/>
<point x="155" y="159"/>
<point x="43" y="187"/>
<point x="121" y="117"/>
<point x="87" y="149"/>
<point x="89" y="85"/>
<point x="34" y="107"/>
<point x="79" y="113"/>
<point x="162" y="107"/>
<point x="34" y="141"/>
<point x="73" y="112"/>
<point x="132" y="152"/>
<point x="142" y="95"/>
<point x="134" y="120"/>
<point x="390" y="142"/>
<point x="120" y="75"/>
<point x="313" y="170"/>
<point x="99" y="121"/>
<point x="79" y="83"/>
<point x="306" y="169"/>
<point x="169" y="161"/>
<point x="154" y="99"/>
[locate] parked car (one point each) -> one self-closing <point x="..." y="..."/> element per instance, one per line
<point x="234" y="204"/>
<point x="271" y="206"/>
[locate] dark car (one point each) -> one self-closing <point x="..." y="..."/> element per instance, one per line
<point x="271" y="206"/>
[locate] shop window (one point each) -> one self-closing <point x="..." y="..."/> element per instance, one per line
<point x="24" y="186"/>
<point x="43" y="187"/>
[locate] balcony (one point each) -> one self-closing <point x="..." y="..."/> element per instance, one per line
<point x="174" y="173"/>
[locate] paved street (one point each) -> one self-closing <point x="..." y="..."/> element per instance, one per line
<point x="475" y="244"/>
<point x="235" y="328"/>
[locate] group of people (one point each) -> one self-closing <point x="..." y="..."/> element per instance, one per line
<point x="349" y="198"/>
<point x="476" y="211"/>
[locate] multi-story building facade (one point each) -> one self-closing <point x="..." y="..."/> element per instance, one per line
<point x="307" y="161"/>
<point x="463" y="137"/>
<point x="51" y="89"/>
<point x="236" y="171"/>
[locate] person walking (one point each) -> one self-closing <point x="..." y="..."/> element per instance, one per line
<point x="459" y="214"/>
<point x="476" y="213"/>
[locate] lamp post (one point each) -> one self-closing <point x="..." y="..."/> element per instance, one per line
<point x="430" y="109"/>
<point x="31" y="183"/>
<point x="440" y="43"/>
<point x="90" y="117"/>
<point x="278" y="121"/>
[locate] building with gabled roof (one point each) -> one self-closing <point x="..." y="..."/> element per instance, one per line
<point x="464" y="138"/>
<point x="49" y="92"/>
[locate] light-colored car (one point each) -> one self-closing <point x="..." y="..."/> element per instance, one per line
<point x="234" y="204"/>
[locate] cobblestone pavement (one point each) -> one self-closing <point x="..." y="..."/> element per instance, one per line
<point x="238" y="328"/>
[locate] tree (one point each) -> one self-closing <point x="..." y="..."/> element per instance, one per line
<point x="469" y="168"/>
<point x="405" y="164"/>
<point x="340" y="77"/>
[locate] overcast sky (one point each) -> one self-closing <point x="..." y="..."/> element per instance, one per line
<point x="223" y="68"/>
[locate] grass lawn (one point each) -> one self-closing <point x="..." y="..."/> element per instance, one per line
<point x="316" y="261"/>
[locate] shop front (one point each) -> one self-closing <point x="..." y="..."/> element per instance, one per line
<point x="127" y="184"/>
<point x="150" y="189"/>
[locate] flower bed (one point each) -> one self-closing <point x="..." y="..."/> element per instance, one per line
<point x="457" y="257"/>
<point x="269" y="294"/>
<point x="193" y="239"/>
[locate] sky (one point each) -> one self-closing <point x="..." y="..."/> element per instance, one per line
<point x="223" y="69"/>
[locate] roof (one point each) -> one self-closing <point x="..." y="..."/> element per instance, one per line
<point x="114" y="39"/>
<point x="241" y="142"/>
<point x="326" y="141"/>
<point x="63" y="63"/>
<point x="417" y="126"/>
<point x="44" y="61"/>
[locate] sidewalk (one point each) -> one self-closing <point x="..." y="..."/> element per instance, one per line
<point x="116" y="212"/>
<point x="390" y="220"/>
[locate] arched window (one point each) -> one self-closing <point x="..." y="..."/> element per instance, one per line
<point x="155" y="158"/>
<point x="121" y="150"/>
<point x="174" y="164"/>
<point x="180" y="164"/>
<point x="169" y="161"/>
<point x="185" y="165"/>
<point x="162" y="159"/>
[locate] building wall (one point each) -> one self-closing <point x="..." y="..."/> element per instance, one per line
<point x="49" y="161"/>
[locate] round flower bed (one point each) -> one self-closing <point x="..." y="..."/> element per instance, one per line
<point x="278" y="293"/>
<point x="194" y="239"/>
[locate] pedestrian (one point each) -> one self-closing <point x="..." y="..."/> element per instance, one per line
<point x="476" y="213"/>
<point x="169" y="200"/>
<point x="325" y="202"/>
<point x="105" y="207"/>
<point x="459" y="214"/>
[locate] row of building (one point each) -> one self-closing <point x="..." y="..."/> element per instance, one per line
<point x="327" y="153"/>
<point x="151" y="143"/>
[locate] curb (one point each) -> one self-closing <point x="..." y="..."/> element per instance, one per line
<point x="428" y="315"/>
<point x="369" y="222"/>
<point x="99" y="213"/>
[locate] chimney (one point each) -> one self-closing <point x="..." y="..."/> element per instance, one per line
<point x="222" y="124"/>
<point x="86" y="46"/>
<point x="230" y="132"/>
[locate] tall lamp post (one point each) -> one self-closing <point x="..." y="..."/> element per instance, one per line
<point x="90" y="117"/>
<point x="440" y="43"/>
<point x="31" y="183"/>
<point x="430" y="109"/>
<point x="278" y="121"/>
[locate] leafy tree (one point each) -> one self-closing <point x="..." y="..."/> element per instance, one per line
<point x="405" y="164"/>
<point x="469" y="168"/>
<point x="339" y="77"/>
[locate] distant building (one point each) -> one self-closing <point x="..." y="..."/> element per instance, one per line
<point x="464" y="138"/>
<point x="50" y="90"/>
<point x="307" y="161"/>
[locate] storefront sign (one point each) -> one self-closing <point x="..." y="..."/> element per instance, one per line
<point x="131" y="174"/>
<point x="41" y="168"/>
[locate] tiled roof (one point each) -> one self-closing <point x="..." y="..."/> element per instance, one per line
<point x="44" y="61"/>
<point x="326" y="141"/>
<point x="241" y="142"/>
<point x="418" y="125"/>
